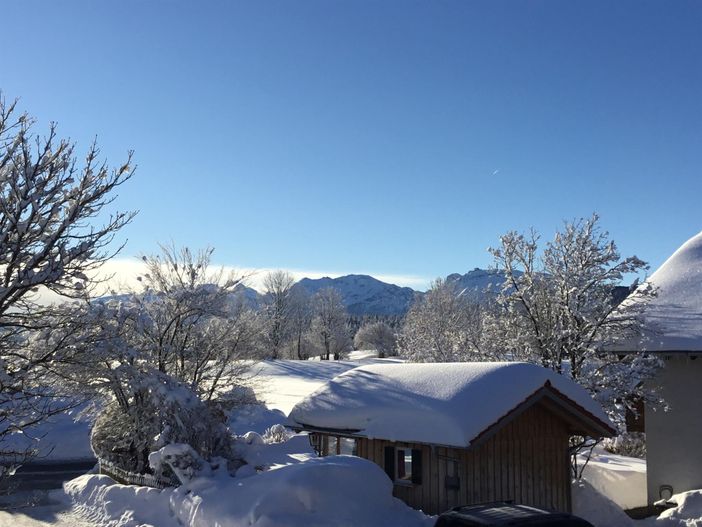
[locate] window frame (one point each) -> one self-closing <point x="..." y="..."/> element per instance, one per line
<point x="416" y="467"/>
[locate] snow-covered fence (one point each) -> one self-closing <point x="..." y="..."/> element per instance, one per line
<point x="129" y="478"/>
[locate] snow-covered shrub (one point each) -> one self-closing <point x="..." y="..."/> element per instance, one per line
<point x="239" y="396"/>
<point x="161" y="412"/>
<point x="631" y="444"/>
<point x="253" y="438"/>
<point x="181" y="459"/>
<point x="276" y="434"/>
<point x="111" y="438"/>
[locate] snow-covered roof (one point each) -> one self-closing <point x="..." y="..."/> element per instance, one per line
<point x="446" y="404"/>
<point x="673" y="318"/>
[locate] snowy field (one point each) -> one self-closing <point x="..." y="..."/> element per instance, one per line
<point x="63" y="437"/>
<point x="292" y="487"/>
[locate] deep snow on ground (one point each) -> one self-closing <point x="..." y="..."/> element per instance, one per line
<point x="323" y="492"/>
<point x="597" y="508"/>
<point x="603" y="512"/>
<point x="302" y="490"/>
<point x="688" y="511"/>
<point x="621" y="478"/>
<point x="292" y="486"/>
<point x="64" y="436"/>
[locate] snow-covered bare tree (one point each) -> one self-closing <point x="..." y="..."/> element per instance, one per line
<point x="301" y="314"/>
<point x="442" y="326"/>
<point x="190" y="323"/>
<point x="556" y="309"/>
<point x="142" y="407"/>
<point x="50" y="240"/>
<point x="328" y="326"/>
<point x="376" y="336"/>
<point x="278" y="307"/>
<point x="164" y="358"/>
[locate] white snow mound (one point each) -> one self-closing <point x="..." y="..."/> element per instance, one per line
<point x="673" y="318"/>
<point x="688" y="512"/>
<point x="596" y="508"/>
<point x="337" y="491"/>
<point x="447" y="404"/>
<point x="621" y="478"/>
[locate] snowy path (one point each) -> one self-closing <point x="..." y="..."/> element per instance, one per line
<point x="42" y="513"/>
<point x="44" y="516"/>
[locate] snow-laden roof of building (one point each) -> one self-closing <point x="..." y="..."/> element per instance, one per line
<point x="673" y="318"/>
<point x="446" y="404"/>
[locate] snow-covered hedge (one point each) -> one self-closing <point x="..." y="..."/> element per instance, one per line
<point x="631" y="444"/>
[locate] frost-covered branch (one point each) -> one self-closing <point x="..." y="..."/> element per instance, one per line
<point x="50" y="239"/>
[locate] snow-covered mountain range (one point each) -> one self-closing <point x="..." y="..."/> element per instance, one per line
<point x="365" y="295"/>
<point x="477" y="283"/>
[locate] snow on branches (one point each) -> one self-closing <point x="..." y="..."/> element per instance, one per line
<point x="163" y="357"/>
<point x="50" y="239"/>
<point x="557" y="308"/>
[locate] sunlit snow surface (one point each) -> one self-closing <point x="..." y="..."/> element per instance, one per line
<point x="621" y="478"/>
<point x="41" y="509"/>
<point x="282" y="384"/>
<point x="63" y="436"/>
<point x="673" y="318"/>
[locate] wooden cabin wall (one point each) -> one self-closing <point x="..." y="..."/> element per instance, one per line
<point x="526" y="461"/>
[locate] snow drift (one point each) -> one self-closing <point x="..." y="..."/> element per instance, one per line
<point x="324" y="492"/>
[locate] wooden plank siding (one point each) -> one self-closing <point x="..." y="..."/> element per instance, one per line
<point x="525" y="461"/>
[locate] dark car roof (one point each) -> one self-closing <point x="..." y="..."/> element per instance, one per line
<point x="504" y="514"/>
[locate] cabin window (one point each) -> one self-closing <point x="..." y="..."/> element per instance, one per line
<point x="404" y="465"/>
<point x="347" y="446"/>
<point x="327" y="445"/>
<point x="316" y="444"/>
<point x="333" y="445"/>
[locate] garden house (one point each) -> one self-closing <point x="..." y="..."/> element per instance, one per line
<point x="458" y="433"/>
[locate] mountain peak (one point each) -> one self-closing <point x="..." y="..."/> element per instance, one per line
<point x="364" y="295"/>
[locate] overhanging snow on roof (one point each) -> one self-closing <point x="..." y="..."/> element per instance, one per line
<point x="450" y="404"/>
<point x="673" y="317"/>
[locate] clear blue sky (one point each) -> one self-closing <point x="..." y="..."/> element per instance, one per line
<point x="380" y="137"/>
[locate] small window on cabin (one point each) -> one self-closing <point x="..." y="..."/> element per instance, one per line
<point x="403" y="465"/>
<point x="332" y="446"/>
<point x="347" y="446"/>
<point x="316" y="444"/>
